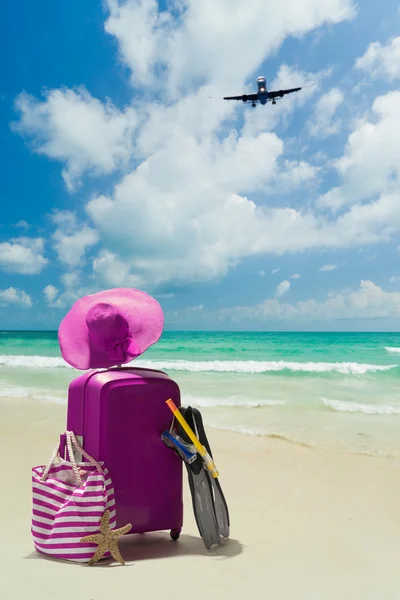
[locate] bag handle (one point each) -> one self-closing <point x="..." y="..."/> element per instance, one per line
<point x="71" y="439"/>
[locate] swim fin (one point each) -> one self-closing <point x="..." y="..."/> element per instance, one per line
<point x="209" y="504"/>
<point x="221" y="507"/>
<point x="201" y="490"/>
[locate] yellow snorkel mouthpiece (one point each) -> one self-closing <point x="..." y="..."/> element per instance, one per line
<point x="199" y="447"/>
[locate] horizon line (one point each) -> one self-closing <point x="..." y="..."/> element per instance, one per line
<point x="224" y="331"/>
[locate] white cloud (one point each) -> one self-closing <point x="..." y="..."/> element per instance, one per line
<point x="135" y="24"/>
<point x="190" y="45"/>
<point x="191" y="236"/>
<point x="369" y="301"/>
<point x="295" y="276"/>
<point x="293" y="174"/>
<point x="50" y="293"/>
<point x="70" y="242"/>
<point x="72" y="292"/>
<point x="282" y="288"/>
<point x="13" y="296"/>
<point x="23" y="255"/>
<point x="275" y="271"/>
<point x="322" y="124"/>
<point x="394" y="279"/>
<point x="164" y="296"/>
<point x="73" y="127"/>
<point x="327" y="268"/>
<point x="71" y="248"/>
<point x="187" y="213"/>
<point x="382" y="60"/>
<point x="198" y="307"/>
<point x="70" y="280"/>
<point x="262" y="273"/>
<point x="22" y="224"/>
<point x="114" y="272"/>
<point x="370" y="164"/>
<point x="156" y="230"/>
<point x="195" y="229"/>
<point x="56" y="299"/>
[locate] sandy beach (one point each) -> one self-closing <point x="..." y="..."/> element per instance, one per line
<point x="305" y="524"/>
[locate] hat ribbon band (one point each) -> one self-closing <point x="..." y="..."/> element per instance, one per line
<point x="122" y="348"/>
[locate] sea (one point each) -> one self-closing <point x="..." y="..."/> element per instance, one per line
<point x="333" y="391"/>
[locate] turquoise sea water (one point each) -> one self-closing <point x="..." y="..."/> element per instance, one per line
<point x="332" y="390"/>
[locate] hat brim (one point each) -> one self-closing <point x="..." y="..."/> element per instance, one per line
<point x="73" y="333"/>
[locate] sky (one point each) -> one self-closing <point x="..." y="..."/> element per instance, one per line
<point x="122" y="166"/>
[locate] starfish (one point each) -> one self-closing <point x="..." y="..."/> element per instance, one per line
<point x="107" y="539"/>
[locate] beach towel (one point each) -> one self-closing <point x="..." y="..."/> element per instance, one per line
<point x="69" y="500"/>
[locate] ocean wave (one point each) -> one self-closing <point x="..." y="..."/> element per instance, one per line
<point x="254" y="367"/>
<point x="36" y="362"/>
<point x="20" y="392"/>
<point x="217" y="366"/>
<point x="258" y="433"/>
<point x="355" y="407"/>
<point x="7" y="391"/>
<point x="374" y="453"/>
<point x="231" y="402"/>
<point x="392" y="350"/>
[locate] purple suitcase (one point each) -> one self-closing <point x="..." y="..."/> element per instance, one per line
<point x="118" y="416"/>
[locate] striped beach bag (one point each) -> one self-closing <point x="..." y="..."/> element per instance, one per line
<point x="69" y="500"/>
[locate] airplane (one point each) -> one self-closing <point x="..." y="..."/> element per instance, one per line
<point x="263" y="95"/>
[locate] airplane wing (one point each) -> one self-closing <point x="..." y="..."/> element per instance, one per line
<point x="243" y="97"/>
<point x="281" y="93"/>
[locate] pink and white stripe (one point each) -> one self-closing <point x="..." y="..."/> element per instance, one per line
<point x="65" y="510"/>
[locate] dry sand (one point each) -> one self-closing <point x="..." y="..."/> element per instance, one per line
<point x="305" y="524"/>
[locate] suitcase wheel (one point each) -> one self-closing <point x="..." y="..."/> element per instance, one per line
<point x="175" y="533"/>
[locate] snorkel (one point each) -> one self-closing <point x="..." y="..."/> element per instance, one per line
<point x="199" y="447"/>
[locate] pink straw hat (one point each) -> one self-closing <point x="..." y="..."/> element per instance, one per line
<point x="109" y="328"/>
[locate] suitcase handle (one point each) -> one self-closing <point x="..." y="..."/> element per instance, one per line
<point x="63" y="447"/>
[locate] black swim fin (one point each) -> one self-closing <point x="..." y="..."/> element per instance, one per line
<point x="201" y="490"/>
<point x="221" y="507"/>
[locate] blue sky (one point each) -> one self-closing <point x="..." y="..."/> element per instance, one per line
<point x="119" y="169"/>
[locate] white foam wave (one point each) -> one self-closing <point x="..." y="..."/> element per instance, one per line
<point x="392" y="350"/>
<point x="252" y="366"/>
<point x="36" y="362"/>
<point x="237" y="429"/>
<point x="355" y="407"/>
<point x="233" y="401"/>
<point x="21" y="392"/>
<point x="196" y="401"/>
<point x="258" y="433"/>
<point x="218" y="366"/>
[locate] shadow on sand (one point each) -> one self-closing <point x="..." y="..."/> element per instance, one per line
<point x="135" y="548"/>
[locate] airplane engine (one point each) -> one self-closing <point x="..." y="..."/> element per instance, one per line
<point x="244" y="97"/>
